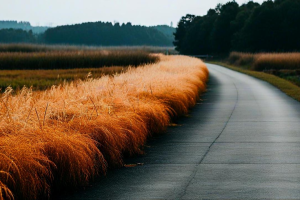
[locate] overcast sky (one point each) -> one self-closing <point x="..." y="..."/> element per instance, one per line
<point x="139" y="12"/>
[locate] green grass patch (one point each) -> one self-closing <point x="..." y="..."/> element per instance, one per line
<point x="285" y="86"/>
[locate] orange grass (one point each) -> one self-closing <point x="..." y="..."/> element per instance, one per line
<point x="65" y="136"/>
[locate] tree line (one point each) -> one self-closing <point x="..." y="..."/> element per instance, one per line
<point x="272" y="26"/>
<point x="17" y="36"/>
<point x="105" y="33"/>
<point x="94" y="33"/>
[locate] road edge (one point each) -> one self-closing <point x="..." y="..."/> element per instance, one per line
<point x="285" y="86"/>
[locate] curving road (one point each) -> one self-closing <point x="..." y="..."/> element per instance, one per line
<point x="242" y="141"/>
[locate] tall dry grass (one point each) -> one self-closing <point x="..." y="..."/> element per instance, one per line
<point x="242" y="59"/>
<point x="65" y="136"/>
<point x="277" y="61"/>
<point x="266" y="61"/>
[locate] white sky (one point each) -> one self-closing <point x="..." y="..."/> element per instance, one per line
<point x="138" y="12"/>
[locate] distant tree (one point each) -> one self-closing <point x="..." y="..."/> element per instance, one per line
<point x="222" y="32"/>
<point x="197" y="39"/>
<point x="16" y="36"/>
<point x="274" y="26"/>
<point x="258" y="31"/>
<point x="168" y="31"/>
<point x="238" y="24"/>
<point x="271" y="26"/>
<point x="181" y="30"/>
<point x="289" y="12"/>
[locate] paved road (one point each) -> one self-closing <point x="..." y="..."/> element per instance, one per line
<point x="242" y="141"/>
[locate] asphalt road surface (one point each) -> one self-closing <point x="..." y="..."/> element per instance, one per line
<point x="241" y="142"/>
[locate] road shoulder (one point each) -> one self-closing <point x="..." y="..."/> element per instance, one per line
<point x="285" y="86"/>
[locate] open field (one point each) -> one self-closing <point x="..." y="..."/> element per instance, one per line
<point x="63" y="137"/>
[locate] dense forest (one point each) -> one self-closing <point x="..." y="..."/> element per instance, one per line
<point x="166" y="30"/>
<point x="272" y="26"/>
<point x="105" y="33"/>
<point x="17" y="36"/>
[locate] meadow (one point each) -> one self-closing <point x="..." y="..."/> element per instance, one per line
<point x="67" y="135"/>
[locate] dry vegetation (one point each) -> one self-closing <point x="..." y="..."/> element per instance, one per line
<point x="277" y="61"/>
<point x="242" y="59"/>
<point x="73" y="59"/>
<point x="31" y="48"/>
<point x="56" y="64"/>
<point x="266" y="61"/>
<point x="65" y="136"/>
<point x="284" y="65"/>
